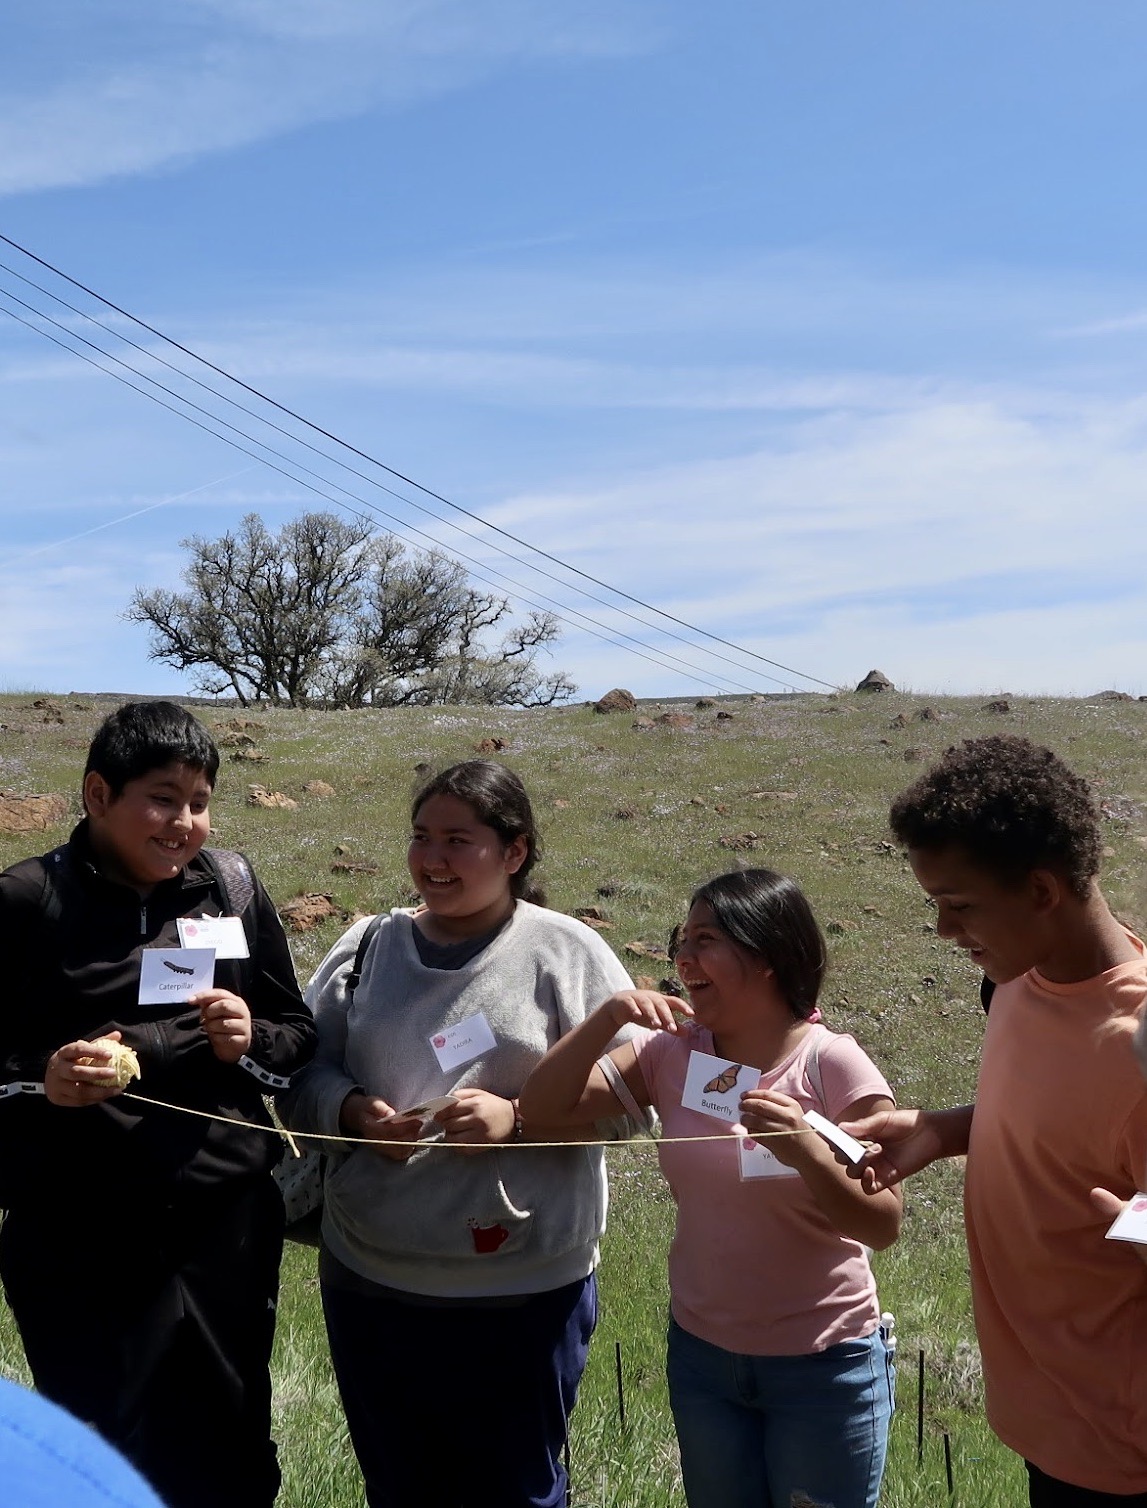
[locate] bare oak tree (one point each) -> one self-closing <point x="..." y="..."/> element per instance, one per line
<point x="326" y="610"/>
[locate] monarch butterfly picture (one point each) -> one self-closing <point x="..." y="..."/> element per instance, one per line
<point x="724" y="1081"/>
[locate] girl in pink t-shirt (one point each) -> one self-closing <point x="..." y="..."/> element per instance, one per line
<point x="780" y="1377"/>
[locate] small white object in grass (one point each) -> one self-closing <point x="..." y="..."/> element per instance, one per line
<point x="852" y="1149"/>
<point x="1131" y="1223"/>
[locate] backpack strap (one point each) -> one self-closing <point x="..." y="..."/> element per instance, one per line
<point x="236" y="884"/>
<point x="364" y="942"/>
<point x="813" y="1073"/>
<point x="636" y="1119"/>
<point x="232" y="874"/>
<point x="987" y="990"/>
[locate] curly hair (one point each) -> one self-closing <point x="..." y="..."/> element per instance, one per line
<point x="1011" y="805"/>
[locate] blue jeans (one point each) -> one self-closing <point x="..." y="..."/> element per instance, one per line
<point x="760" y="1431"/>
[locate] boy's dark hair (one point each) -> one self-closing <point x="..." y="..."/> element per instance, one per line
<point x="767" y="913"/>
<point x="146" y="736"/>
<point x="1011" y="805"/>
<point x="498" y="799"/>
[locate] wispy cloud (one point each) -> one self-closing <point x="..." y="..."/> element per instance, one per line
<point x="131" y="88"/>
<point x="1124" y="324"/>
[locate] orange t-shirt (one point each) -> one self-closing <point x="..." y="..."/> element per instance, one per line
<point x="1061" y="1313"/>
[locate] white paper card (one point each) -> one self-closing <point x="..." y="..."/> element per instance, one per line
<point x="854" y="1150"/>
<point x="1131" y="1225"/>
<point x="174" y="974"/>
<point x="462" y="1043"/>
<point x="426" y="1109"/>
<point x="714" y="1086"/>
<point x="759" y="1161"/>
<point x="223" y="933"/>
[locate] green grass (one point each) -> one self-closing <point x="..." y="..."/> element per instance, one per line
<point x="812" y="777"/>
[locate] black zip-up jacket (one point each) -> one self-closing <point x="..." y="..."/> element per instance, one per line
<point x="75" y="974"/>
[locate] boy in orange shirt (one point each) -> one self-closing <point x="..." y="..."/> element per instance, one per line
<point x="1005" y="839"/>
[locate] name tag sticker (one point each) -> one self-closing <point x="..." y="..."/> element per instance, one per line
<point x="170" y="975"/>
<point x="460" y="1044"/>
<point x="223" y="933"/>
<point x="853" y="1150"/>
<point x="1131" y="1225"/>
<point x="714" y="1086"/>
<point x="759" y="1161"/>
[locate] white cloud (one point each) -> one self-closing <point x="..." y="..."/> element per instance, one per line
<point x="957" y="547"/>
<point x="88" y="101"/>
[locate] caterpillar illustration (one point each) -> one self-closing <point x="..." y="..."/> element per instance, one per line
<point x="177" y="968"/>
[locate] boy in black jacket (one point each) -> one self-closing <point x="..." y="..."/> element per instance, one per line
<point x="140" y="1249"/>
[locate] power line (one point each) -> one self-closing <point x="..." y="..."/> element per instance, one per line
<point x="316" y="450"/>
<point x="597" y="630"/>
<point x="408" y="481"/>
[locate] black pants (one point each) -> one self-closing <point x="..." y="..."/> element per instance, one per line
<point x="463" y="1406"/>
<point x="1050" y="1492"/>
<point x="155" y="1326"/>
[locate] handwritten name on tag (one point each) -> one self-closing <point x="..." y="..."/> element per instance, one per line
<point x="759" y="1161"/>
<point x="457" y="1045"/>
<point x="223" y="933"/>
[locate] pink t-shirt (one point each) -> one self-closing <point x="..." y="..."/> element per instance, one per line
<point x="755" y="1267"/>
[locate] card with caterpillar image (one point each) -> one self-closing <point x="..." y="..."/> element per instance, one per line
<point x="174" y="974"/>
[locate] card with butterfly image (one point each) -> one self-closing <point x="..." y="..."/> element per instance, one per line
<point x="714" y="1086"/>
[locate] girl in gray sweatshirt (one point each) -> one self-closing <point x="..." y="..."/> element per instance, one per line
<point x="448" y="1246"/>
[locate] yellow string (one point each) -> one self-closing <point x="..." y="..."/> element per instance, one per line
<point x="469" y="1146"/>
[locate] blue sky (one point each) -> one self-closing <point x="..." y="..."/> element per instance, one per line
<point x="822" y="326"/>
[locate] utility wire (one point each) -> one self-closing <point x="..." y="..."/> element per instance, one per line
<point x="598" y="630"/>
<point x="151" y="355"/>
<point x="400" y="476"/>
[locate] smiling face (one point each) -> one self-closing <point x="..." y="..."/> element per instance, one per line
<point x="727" y="983"/>
<point x="1006" y="929"/>
<point x="461" y="868"/>
<point x="153" y="828"/>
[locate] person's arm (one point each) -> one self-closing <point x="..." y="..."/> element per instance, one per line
<point x="568" y="1089"/>
<point x="873" y="1219"/>
<point x="903" y="1141"/>
<point x="28" y="1037"/>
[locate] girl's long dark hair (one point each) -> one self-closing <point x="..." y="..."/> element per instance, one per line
<point x="767" y="913"/>
<point x="498" y="799"/>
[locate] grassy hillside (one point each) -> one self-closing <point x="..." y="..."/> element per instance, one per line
<point x="632" y="820"/>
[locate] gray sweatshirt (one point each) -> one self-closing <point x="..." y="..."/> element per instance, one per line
<point x="508" y="1221"/>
